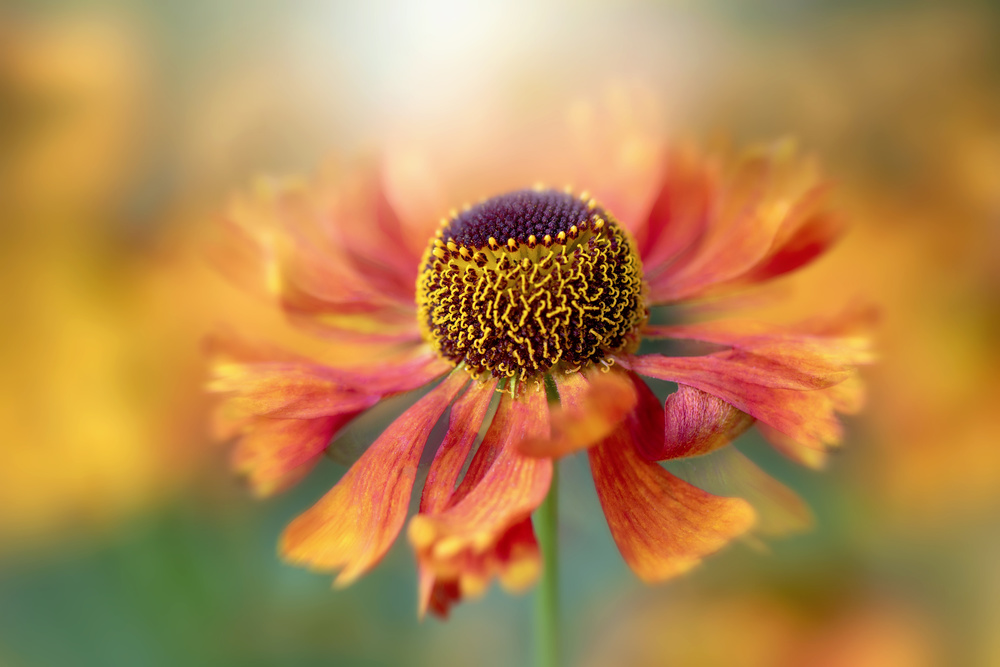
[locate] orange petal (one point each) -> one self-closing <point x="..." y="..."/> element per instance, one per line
<point x="804" y="237"/>
<point x="379" y="242"/>
<point x="353" y="525"/>
<point x="662" y="525"/>
<point x="288" y="390"/>
<point x="301" y="390"/>
<point x="590" y="407"/>
<point x="276" y="453"/>
<point x="807" y="455"/>
<point x="779" y="356"/>
<point x="727" y="472"/>
<point x="480" y="534"/>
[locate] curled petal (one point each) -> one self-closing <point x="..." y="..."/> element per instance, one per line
<point x="662" y="525"/>
<point x="353" y="525"/>
<point x="727" y="472"/>
<point x="805" y="416"/>
<point x="485" y="530"/>
<point x="808" y="232"/>
<point x="697" y="423"/>
<point x="590" y="407"/>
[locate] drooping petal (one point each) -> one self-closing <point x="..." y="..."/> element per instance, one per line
<point x="464" y="425"/>
<point x="728" y="472"/>
<point x="646" y="422"/>
<point x="286" y="410"/>
<point x="662" y="525"/>
<point x="590" y="407"/>
<point x="353" y="525"/>
<point x="485" y="530"/>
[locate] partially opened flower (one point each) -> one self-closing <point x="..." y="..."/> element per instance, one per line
<point x="524" y="314"/>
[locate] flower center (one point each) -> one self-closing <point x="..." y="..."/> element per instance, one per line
<point x="530" y="281"/>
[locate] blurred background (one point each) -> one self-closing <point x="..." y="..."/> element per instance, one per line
<point x="125" y="127"/>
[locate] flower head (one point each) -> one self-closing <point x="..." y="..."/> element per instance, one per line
<point x="562" y="288"/>
<point x="524" y="314"/>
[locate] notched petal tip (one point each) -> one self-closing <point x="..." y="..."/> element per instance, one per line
<point x="484" y="530"/>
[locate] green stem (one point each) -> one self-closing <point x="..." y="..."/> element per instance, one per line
<point x="547" y="648"/>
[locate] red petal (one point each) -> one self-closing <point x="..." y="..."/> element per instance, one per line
<point x="354" y="524"/>
<point x="646" y="422"/>
<point x="807" y="238"/>
<point x="332" y="256"/>
<point x="765" y="218"/>
<point x="662" y="525"/>
<point x="288" y="390"/>
<point x="678" y="217"/>
<point x="781" y="356"/>
<point x="590" y="407"/>
<point x="379" y="248"/>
